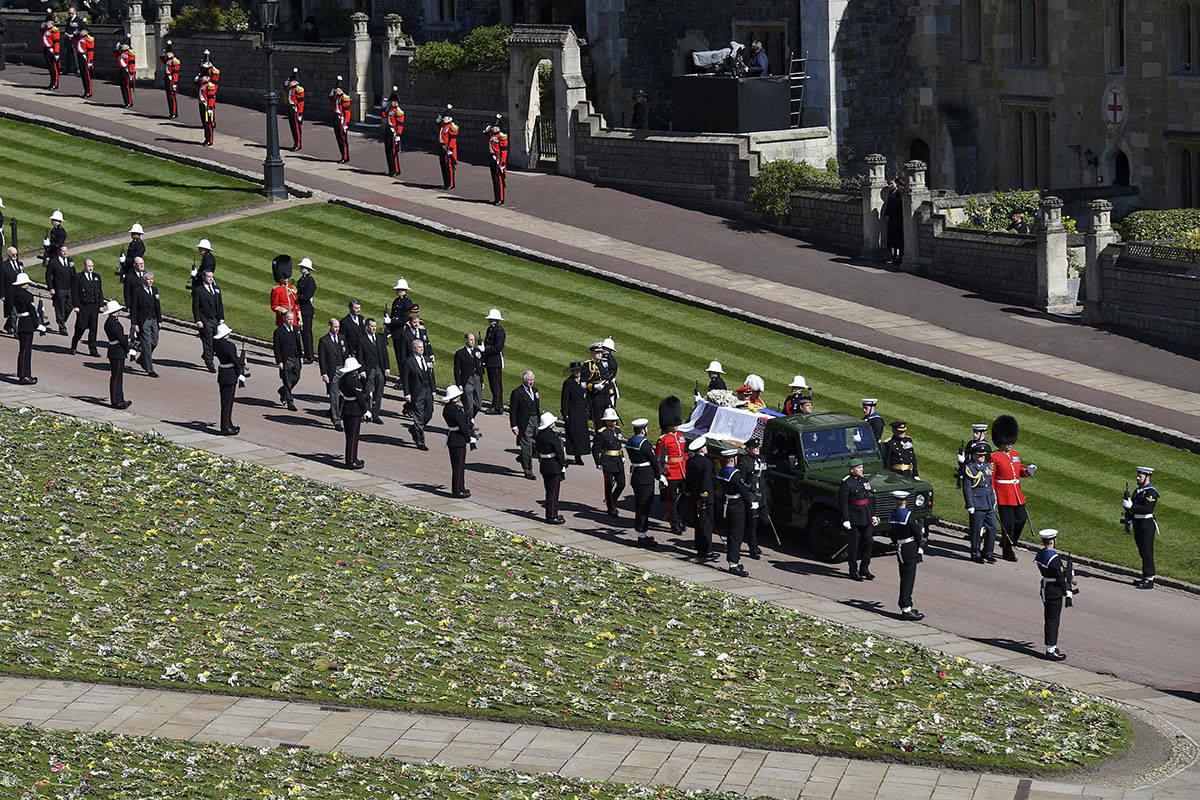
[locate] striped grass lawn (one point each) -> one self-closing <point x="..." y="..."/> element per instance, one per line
<point x="100" y="188"/>
<point x="552" y="315"/>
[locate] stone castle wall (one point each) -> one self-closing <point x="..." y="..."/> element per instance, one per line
<point x="1151" y="295"/>
<point x="830" y="219"/>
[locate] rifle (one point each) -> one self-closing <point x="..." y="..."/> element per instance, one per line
<point x="245" y="367"/>
<point x="1070" y="578"/>
<point x="41" y="312"/>
<point x="387" y="323"/>
<point x="962" y="459"/>
<point x="192" y="283"/>
<point x="1127" y="516"/>
<point x="121" y="264"/>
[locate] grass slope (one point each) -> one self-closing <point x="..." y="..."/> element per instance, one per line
<point x="552" y="315"/>
<point x="100" y="188"/>
<point x="66" y="763"/>
<point x="137" y="560"/>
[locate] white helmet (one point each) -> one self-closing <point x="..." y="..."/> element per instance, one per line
<point x="610" y="415"/>
<point x="204" y="244"/>
<point x="715" y="366"/>
<point x="21" y="279"/>
<point x="306" y="263"/>
<point x="797" y="383"/>
<point x="546" y="420"/>
<point x="609" y="344"/>
<point x="401" y="284"/>
<point x="495" y="314"/>
<point x="56" y="216"/>
<point x="112" y="306"/>
<point x="223" y="330"/>
<point x="350" y="365"/>
<point x="453" y="392"/>
<point x="136" y="228"/>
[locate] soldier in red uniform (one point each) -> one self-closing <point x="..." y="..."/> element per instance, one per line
<point x="85" y="49"/>
<point x="1007" y="471"/>
<point x="498" y="147"/>
<point x="341" y="120"/>
<point x="51" y="41"/>
<point x="448" y="141"/>
<point x="171" y="66"/>
<point x="208" y="107"/>
<point x="295" y="99"/>
<point x="283" y="296"/>
<point x="393" y="122"/>
<point x="127" y="70"/>
<point x="214" y="77"/>
<point x="671" y="450"/>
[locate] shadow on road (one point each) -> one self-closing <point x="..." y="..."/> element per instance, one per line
<point x="1024" y="648"/>
<point x="290" y="418"/>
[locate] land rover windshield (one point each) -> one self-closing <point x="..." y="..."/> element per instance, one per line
<point x="853" y="440"/>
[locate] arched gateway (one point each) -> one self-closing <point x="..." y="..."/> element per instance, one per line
<point x="528" y="46"/>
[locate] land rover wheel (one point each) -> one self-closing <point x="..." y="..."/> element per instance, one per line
<point x="826" y="537"/>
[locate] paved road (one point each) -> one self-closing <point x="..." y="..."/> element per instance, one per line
<point x="1145" y="637"/>
<point x="622" y="233"/>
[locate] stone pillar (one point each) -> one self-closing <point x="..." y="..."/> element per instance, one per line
<point x="916" y="196"/>
<point x="161" y="20"/>
<point x="1052" y="258"/>
<point x="394" y="43"/>
<point x="1098" y="238"/>
<point x="359" y="85"/>
<point x="872" y="207"/>
<point x="135" y="32"/>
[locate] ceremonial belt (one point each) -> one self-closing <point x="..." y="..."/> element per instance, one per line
<point x="223" y="365"/>
<point x="1009" y="481"/>
<point x="453" y="428"/>
<point x="860" y="502"/>
<point x="547" y="455"/>
<point x="906" y="541"/>
<point x="111" y="343"/>
<point x="1143" y="516"/>
<point x="610" y="452"/>
<point x="640" y="464"/>
<point x="902" y="467"/>
<point x="676" y="459"/>
<point x="23" y="314"/>
<point x="1049" y="581"/>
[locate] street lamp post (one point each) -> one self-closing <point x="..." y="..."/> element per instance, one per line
<point x="273" y="165"/>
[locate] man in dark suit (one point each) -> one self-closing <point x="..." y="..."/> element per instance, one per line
<point x="354" y="327"/>
<point x="458" y="436"/>
<point x="134" y="279"/>
<point x="9" y="270"/>
<point x="306" y="289"/>
<point x="331" y="354"/>
<point x="524" y="410"/>
<point x="208" y="310"/>
<point x="418" y="388"/>
<point x="468" y="375"/>
<point x="87" y="294"/>
<point x="146" y="313"/>
<point x="378" y="366"/>
<point x="493" y="359"/>
<point x="285" y="343"/>
<point x="412" y="331"/>
<point x="60" y="277"/>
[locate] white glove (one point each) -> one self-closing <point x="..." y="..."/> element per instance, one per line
<point x="134" y="355"/>
<point x="516" y="431"/>
<point x="601" y="384"/>
<point x="46" y="242"/>
<point x="1070" y="593"/>
<point x="1127" y="503"/>
<point x="846" y="524"/>
<point x="962" y="458"/>
<point x="366" y="415"/>
<point x="970" y="511"/>
<point x="194" y="271"/>
<point x="754" y="505"/>
<point x="473" y="440"/>
<point x="599" y="466"/>
<point x="663" y="480"/>
<point x="1032" y="468"/>
<point x="121" y="258"/>
<point x="874" y="520"/>
<point x="241" y="380"/>
<point x="41" y="328"/>
<point x="387" y="320"/>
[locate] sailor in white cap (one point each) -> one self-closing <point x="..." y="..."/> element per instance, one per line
<point x="1139" y="510"/>
<point x="493" y="359"/>
<point x="800" y="400"/>
<point x="715" y="371"/>
<point x="458" y="437"/>
<point x="610" y="359"/>
<point x="394" y="321"/>
<point x="872" y="417"/>
<point x="306" y="290"/>
<point x="736" y="503"/>
<point x="354" y="408"/>
<point x="644" y="473"/>
<point x="906" y="533"/>
<point x="1057" y="587"/>
<point x="118" y="351"/>
<point x="697" y="506"/>
<point x="208" y="262"/>
<point x="27" y="324"/>
<point x="609" y="457"/>
<point x="552" y="464"/>
<point x="231" y="371"/>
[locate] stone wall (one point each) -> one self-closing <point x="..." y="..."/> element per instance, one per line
<point x="830" y="219"/>
<point x="476" y="96"/>
<point x="1003" y="264"/>
<point x="23" y="28"/>
<point x="1151" y="291"/>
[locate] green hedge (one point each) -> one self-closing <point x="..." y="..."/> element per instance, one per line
<point x="777" y="180"/>
<point x="1172" y="225"/>
<point x="481" y="49"/>
<point x="209" y="17"/>
<point x="997" y="215"/>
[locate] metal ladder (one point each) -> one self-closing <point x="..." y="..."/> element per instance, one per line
<point x="798" y="76"/>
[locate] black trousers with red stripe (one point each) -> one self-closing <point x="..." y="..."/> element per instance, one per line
<point x="127" y="88"/>
<point x="172" y="101"/>
<point x="24" y="355"/>
<point x="458" y="461"/>
<point x="227" y="393"/>
<point x="116" y="381"/>
<point x="495" y="376"/>
<point x="296" y="123"/>
<point x="674" y="493"/>
<point x="343" y="139"/>
<point x="85" y="76"/>
<point x="209" y="120"/>
<point x="552" y="484"/>
<point x="352" y="425"/>
<point x="448" y="163"/>
<point x="389" y="152"/>
<point x="52" y="65"/>
<point x="498" y="186"/>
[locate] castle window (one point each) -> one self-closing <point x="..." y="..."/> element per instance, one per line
<point x="1116" y="36"/>
<point x="969" y="29"/>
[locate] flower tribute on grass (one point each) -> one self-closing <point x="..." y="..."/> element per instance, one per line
<point x="72" y="764"/>
<point x="127" y="558"/>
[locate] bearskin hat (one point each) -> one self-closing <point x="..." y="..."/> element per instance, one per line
<point x="1005" y="430"/>
<point x="670" y="413"/>
<point x="281" y="267"/>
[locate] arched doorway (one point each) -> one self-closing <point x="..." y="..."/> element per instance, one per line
<point x="1121" y="169"/>
<point x="918" y="150"/>
<point x="528" y="47"/>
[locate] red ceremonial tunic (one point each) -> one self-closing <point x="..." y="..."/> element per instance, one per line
<point x="283" y="298"/>
<point x="1007" y="471"/>
<point x="672" y="453"/>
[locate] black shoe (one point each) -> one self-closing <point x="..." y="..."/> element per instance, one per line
<point x="422" y="446"/>
<point x="854" y="576"/>
<point x="867" y="576"/>
<point x="756" y="555"/>
<point x="94" y="353"/>
<point x="559" y="520"/>
<point x="123" y="404"/>
<point x="355" y="465"/>
<point x="1057" y="655"/>
<point x="989" y="559"/>
<point x="912" y="614"/>
<point x="738" y="569"/>
<point x="612" y="512"/>
<point x="74" y="352"/>
<point x="62" y="330"/>
<point x="1010" y="556"/>
<point x="151" y="374"/>
<point x="228" y="432"/>
<point x="374" y="420"/>
<point x="291" y="406"/>
<point x="236" y="429"/>
<point x="337" y="426"/>
<point x="529" y="476"/>
<point x="647" y="542"/>
<point x="1145" y="584"/>
<point x="27" y="381"/>
<point x="977" y="559"/>
<point x="464" y="493"/>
